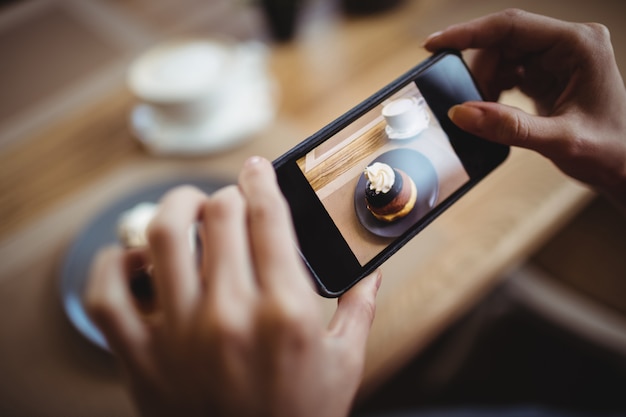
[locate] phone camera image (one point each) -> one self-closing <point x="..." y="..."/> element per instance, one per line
<point x="381" y="174"/>
<point x="371" y="180"/>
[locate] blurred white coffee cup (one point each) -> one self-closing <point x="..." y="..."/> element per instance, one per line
<point x="193" y="92"/>
<point x="406" y="117"/>
<point x="181" y="80"/>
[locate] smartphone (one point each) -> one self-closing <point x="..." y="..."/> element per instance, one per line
<point x="368" y="182"/>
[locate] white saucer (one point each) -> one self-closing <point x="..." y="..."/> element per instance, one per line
<point x="247" y="110"/>
<point x="406" y="134"/>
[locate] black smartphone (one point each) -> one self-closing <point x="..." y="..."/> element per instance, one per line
<point x="368" y="182"/>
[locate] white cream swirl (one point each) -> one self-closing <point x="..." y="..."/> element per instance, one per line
<point x="133" y="224"/>
<point x="380" y="176"/>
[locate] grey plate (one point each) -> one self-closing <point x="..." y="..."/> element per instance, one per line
<point x="421" y="170"/>
<point x="100" y="232"/>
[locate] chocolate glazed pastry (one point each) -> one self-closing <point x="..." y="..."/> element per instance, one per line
<point x="394" y="203"/>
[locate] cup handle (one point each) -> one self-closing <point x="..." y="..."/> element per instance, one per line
<point x="421" y="104"/>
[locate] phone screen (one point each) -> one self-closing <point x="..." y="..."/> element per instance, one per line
<point x="403" y="134"/>
<point x="368" y="182"/>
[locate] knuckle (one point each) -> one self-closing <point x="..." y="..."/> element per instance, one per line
<point x="514" y="126"/>
<point x="268" y="208"/>
<point x="165" y="228"/>
<point x="510" y="19"/>
<point x="593" y="39"/>
<point x="224" y="331"/>
<point x="513" y="14"/>
<point x="289" y="324"/>
<point x="572" y="144"/>
<point x="160" y="231"/>
<point x="223" y="204"/>
<point x="602" y="41"/>
<point x="181" y="192"/>
<point x="368" y="307"/>
<point x="599" y="31"/>
<point x="574" y="147"/>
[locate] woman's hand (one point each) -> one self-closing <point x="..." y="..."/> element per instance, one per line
<point x="242" y="333"/>
<point x="569" y="70"/>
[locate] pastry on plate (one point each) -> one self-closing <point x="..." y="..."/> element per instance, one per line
<point x="132" y="227"/>
<point x="390" y="193"/>
<point x="133" y="223"/>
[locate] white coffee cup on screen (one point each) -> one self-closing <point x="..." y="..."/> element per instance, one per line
<point x="406" y="117"/>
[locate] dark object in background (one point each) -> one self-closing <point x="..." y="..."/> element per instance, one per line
<point x="502" y="355"/>
<point x="282" y="17"/>
<point x="367" y="7"/>
<point x="7" y="3"/>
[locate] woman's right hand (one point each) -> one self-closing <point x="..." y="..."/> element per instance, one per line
<point x="240" y="333"/>
<point x="569" y="70"/>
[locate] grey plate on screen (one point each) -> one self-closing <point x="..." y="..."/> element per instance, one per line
<point x="421" y="170"/>
<point x="100" y="232"/>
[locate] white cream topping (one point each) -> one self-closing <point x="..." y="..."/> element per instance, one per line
<point x="380" y="176"/>
<point x="132" y="225"/>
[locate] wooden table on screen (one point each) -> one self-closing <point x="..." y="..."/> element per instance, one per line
<point x="53" y="183"/>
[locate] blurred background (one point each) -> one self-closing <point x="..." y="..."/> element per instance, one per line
<point x="59" y="54"/>
<point x="550" y="330"/>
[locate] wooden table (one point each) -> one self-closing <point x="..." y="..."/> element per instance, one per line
<point x="53" y="183"/>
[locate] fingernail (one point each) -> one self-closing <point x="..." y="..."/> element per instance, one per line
<point x="466" y="116"/>
<point x="253" y="160"/>
<point x="432" y="36"/>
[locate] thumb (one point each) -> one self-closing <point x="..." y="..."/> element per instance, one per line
<point x="356" y="309"/>
<point x="510" y="126"/>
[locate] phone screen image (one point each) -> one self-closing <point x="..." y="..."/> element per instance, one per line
<point x="368" y="182"/>
<point x="411" y="167"/>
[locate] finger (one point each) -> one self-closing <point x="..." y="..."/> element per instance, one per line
<point x="512" y="126"/>
<point x="493" y="73"/>
<point x="484" y="67"/>
<point x="355" y="311"/>
<point x="514" y="28"/>
<point x="175" y="269"/>
<point x="111" y="306"/>
<point x="272" y="238"/>
<point x="226" y="262"/>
